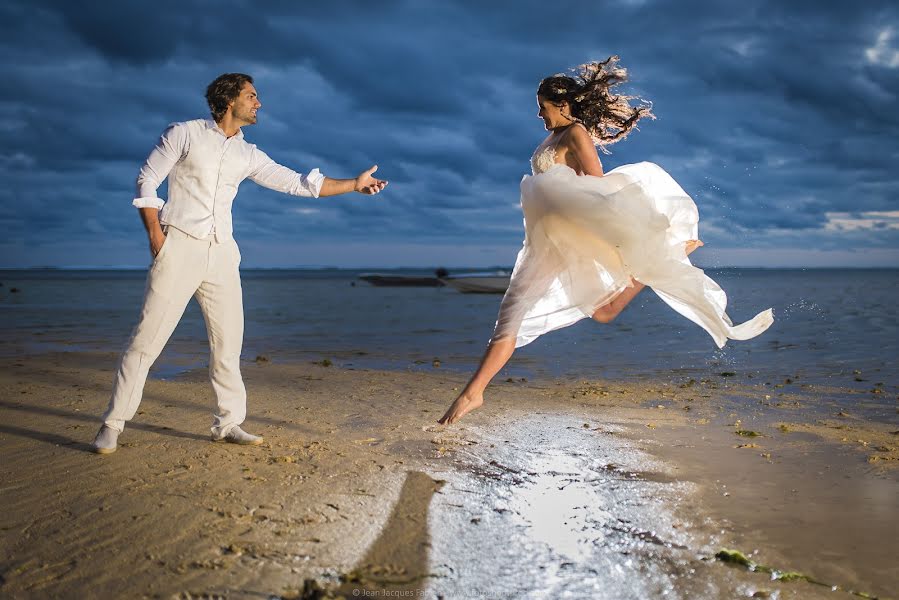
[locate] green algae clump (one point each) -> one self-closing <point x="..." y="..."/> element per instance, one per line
<point x="748" y="433"/>
<point x="735" y="557"/>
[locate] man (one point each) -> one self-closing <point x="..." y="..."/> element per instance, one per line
<point x="194" y="253"/>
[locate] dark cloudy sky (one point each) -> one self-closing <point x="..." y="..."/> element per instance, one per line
<point x="780" y="118"/>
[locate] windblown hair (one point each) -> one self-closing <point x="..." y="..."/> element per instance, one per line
<point x="223" y="91"/>
<point x="608" y="117"/>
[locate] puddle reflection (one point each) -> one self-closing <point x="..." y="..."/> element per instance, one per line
<point x="559" y="508"/>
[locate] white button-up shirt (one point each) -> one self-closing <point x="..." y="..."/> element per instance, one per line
<point x="204" y="168"/>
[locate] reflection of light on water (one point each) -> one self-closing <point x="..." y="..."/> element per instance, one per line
<point x="559" y="508"/>
<point x="571" y="512"/>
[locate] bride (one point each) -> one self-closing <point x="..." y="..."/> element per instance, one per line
<point x="594" y="240"/>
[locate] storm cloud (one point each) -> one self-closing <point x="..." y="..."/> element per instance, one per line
<point x="780" y="119"/>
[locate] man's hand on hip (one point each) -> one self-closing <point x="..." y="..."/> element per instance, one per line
<point x="150" y="217"/>
<point x="157" y="239"/>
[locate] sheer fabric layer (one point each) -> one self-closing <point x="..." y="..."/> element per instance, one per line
<point x="586" y="237"/>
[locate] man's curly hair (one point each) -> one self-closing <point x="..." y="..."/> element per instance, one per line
<point x="223" y="91"/>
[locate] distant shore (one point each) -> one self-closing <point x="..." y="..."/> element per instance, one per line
<point x="591" y="487"/>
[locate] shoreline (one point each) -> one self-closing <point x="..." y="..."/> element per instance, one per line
<point x="553" y="486"/>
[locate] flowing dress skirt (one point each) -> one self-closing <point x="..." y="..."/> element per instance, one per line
<point x="586" y="237"/>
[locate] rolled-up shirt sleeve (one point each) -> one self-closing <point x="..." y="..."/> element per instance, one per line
<point x="172" y="146"/>
<point x="268" y="173"/>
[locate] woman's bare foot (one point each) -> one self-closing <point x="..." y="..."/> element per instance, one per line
<point x="463" y="405"/>
<point x="693" y="245"/>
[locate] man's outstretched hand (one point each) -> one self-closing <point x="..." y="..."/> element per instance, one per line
<point x="366" y="184"/>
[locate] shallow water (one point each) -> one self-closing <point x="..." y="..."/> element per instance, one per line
<point x="829" y="324"/>
<point x="587" y="514"/>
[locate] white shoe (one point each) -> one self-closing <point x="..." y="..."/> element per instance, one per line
<point x="106" y="440"/>
<point x="236" y="435"/>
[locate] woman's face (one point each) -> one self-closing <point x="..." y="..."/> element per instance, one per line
<point x="553" y="115"/>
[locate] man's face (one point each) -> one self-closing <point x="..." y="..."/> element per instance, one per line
<point x="244" y="107"/>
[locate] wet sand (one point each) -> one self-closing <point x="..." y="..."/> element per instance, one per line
<point x="595" y="489"/>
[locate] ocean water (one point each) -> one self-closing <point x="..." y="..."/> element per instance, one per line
<point x="831" y="326"/>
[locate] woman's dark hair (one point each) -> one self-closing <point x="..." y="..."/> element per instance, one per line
<point x="222" y="92"/>
<point x="607" y="117"/>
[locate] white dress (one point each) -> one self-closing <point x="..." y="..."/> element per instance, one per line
<point x="586" y="237"/>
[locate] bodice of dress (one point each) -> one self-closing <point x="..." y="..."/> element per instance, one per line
<point x="544" y="157"/>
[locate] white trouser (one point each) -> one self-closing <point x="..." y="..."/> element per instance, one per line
<point x="185" y="267"/>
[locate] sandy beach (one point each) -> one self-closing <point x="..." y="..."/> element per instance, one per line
<point x="556" y="488"/>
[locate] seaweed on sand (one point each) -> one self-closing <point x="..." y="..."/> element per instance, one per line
<point x="735" y="557"/>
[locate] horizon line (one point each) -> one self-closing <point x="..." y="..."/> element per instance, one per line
<point x="419" y="268"/>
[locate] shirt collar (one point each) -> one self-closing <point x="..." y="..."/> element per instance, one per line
<point x="211" y="124"/>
